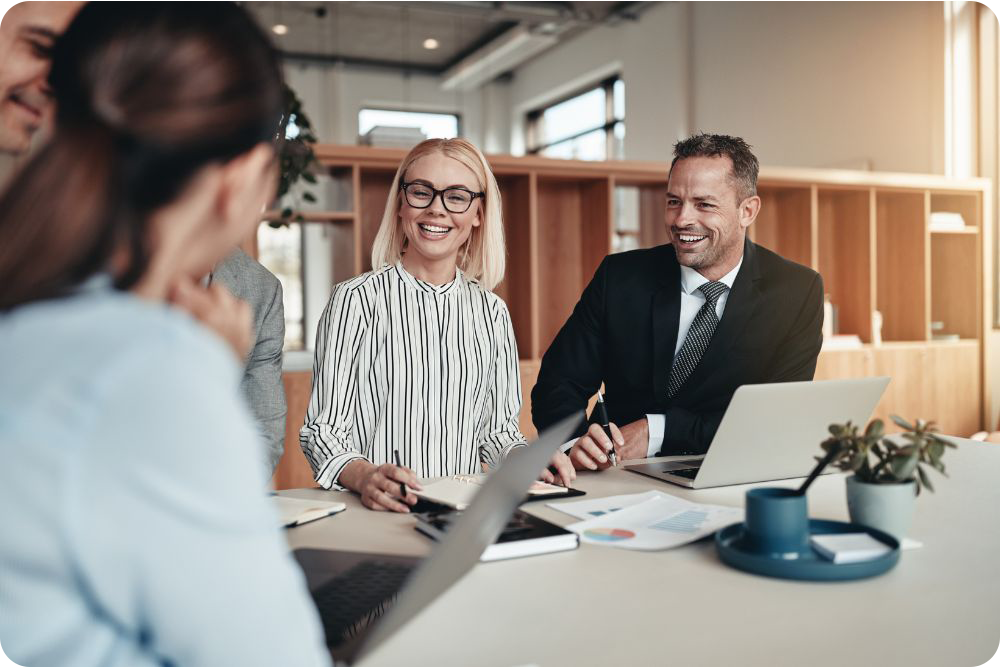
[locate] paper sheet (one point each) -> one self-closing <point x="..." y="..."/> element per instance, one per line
<point x="655" y="521"/>
<point x="588" y="509"/>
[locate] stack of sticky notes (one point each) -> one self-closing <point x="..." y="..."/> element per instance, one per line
<point x="849" y="547"/>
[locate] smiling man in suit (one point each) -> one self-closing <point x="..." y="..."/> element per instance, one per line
<point x="673" y="331"/>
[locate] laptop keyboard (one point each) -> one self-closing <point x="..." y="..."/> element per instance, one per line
<point x="356" y="597"/>
<point x="687" y="473"/>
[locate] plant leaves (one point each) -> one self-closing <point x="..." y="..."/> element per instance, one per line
<point x="902" y="466"/>
<point x="900" y="422"/>
<point x="924" y="479"/>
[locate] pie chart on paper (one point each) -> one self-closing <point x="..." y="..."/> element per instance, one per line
<point x="608" y="534"/>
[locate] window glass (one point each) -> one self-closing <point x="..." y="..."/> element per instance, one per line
<point x="584" y="127"/>
<point x="618" y="97"/>
<point x="590" y="146"/>
<point x="432" y="125"/>
<point x="573" y="116"/>
<point x="280" y="251"/>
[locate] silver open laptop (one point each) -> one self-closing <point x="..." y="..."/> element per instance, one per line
<point x="365" y="598"/>
<point x="772" y="431"/>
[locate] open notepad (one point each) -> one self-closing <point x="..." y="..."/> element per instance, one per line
<point x="458" y="491"/>
<point x="297" y="511"/>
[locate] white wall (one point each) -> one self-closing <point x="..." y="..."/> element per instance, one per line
<point x="808" y="84"/>
<point x="825" y="84"/>
<point x="332" y="96"/>
<point x="651" y="57"/>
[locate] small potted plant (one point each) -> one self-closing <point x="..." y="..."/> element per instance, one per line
<point x="889" y="471"/>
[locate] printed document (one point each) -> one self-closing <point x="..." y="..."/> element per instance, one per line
<point x="648" y="521"/>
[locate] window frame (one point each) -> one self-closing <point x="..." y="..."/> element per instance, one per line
<point x="535" y="118"/>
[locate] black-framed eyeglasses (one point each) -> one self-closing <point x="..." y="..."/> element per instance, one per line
<point x="454" y="200"/>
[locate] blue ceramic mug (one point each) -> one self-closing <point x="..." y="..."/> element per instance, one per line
<point x="777" y="522"/>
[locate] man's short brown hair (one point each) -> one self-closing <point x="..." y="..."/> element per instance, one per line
<point x="745" y="165"/>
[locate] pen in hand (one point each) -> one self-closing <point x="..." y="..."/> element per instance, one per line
<point x="402" y="486"/>
<point x="602" y="418"/>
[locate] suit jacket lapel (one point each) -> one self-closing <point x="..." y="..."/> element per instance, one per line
<point x="666" y="316"/>
<point x="740" y="306"/>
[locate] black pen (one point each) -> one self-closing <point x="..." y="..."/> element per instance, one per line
<point x="402" y="486"/>
<point x="602" y="418"/>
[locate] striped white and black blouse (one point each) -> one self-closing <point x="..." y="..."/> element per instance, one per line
<point x="430" y="370"/>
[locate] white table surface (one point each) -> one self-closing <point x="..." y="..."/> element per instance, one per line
<point x="600" y="605"/>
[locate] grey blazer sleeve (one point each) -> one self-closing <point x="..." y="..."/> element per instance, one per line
<point x="262" y="384"/>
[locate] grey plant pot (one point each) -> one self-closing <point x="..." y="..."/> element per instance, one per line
<point x="887" y="507"/>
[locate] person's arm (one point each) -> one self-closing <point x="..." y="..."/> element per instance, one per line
<point x="501" y="431"/>
<point x="262" y="382"/>
<point x="501" y="434"/>
<point x="690" y="432"/>
<point x="798" y="352"/>
<point x="572" y="368"/>
<point x="174" y="540"/>
<point x="325" y="437"/>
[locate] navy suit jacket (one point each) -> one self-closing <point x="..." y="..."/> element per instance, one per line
<point x="623" y="332"/>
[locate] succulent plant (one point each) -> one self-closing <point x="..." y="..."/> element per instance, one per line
<point x="877" y="459"/>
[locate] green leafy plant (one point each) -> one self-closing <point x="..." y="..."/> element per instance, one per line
<point x="298" y="161"/>
<point x="876" y="459"/>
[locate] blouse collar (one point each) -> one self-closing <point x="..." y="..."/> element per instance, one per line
<point x="418" y="284"/>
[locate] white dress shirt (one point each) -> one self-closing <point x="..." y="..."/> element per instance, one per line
<point x="692" y="299"/>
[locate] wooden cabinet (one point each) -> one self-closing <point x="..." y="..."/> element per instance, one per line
<point x="868" y="234"/>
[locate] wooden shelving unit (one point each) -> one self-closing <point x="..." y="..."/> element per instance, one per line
<point x="868" y="234"/>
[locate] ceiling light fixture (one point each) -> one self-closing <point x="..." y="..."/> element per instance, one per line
<point x="280" y="29"/>
<point x="430" y="44"/>
<point x="503" y="54"/>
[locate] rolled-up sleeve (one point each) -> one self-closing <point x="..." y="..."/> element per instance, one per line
<point x="326" y="437"/>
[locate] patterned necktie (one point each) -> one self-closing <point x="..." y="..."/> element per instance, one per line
<point x="698" y="336"/>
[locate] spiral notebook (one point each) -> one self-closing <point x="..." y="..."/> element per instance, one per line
<point x="458" y="491"/>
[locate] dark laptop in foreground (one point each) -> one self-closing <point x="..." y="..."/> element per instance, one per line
<point x="365" y="598"/>
<point x="772" y="431"/>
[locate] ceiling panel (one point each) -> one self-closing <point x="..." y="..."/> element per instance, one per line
<point x="391" y="34"/>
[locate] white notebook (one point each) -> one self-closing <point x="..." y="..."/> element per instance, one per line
<point x="297" y="511"/>
<point x="458" y="491"/>
<point x="849" y="547"/>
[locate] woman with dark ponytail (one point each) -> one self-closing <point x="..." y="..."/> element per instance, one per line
<point x="134" y="530"/>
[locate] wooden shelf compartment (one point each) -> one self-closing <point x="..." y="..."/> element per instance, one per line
<point x="956" y="283"/>
<point x="574" y="231"/>
<point x="374" y="186"/>
<point x="968" y="231"/>
<point x="902" y="267"/>
<point x="518" y="193"/>
<point x="845" y="231"/>
<point x="785" y="223"/>
<point x="967" y="204"/>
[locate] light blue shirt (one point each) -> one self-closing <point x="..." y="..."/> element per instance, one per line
<point x="133" y="526"/>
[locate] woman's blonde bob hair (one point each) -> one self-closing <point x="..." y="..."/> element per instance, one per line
<point x="484" y="255"/>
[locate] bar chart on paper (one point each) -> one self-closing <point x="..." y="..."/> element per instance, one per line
<point x="649" y="521"/>
<point x="685" y="522"/>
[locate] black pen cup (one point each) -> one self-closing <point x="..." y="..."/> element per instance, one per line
<point x="777" y="522"/>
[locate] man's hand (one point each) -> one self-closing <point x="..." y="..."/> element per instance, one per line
<point x="636" y="437"/>
<point x="381" y="486"/>
<point x="218" y="310"/>
<point x="590" y="451"/>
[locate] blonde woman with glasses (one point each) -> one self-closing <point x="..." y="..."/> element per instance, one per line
<point x="418" y="355"/>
